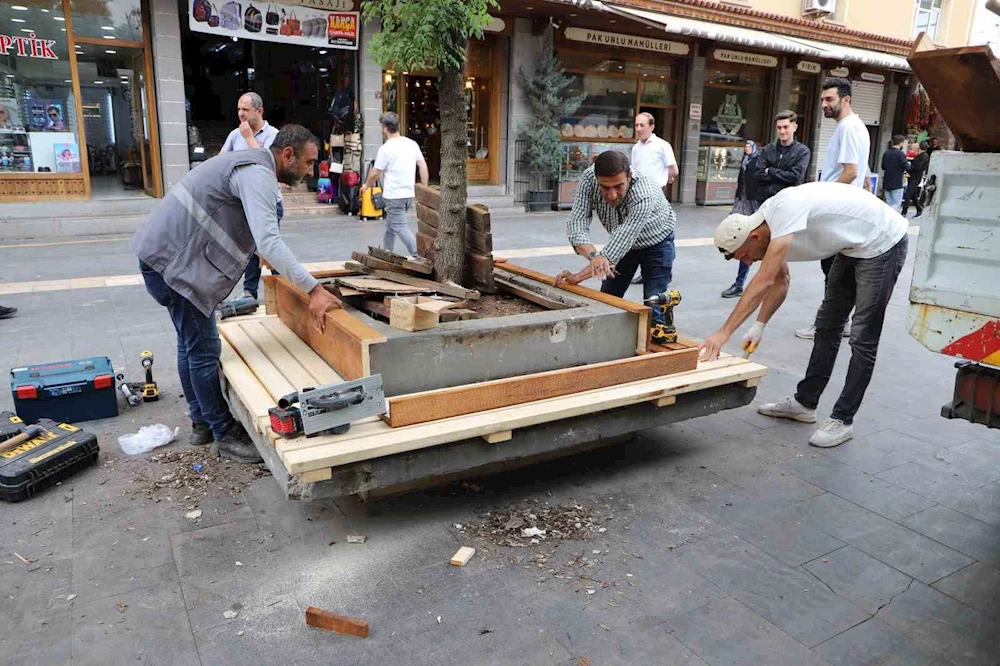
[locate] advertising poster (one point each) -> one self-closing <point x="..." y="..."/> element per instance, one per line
<point x="274" y="22"/>
<point x="67" y="157"/>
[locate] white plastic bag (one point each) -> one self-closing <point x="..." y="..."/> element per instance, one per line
<point x="148" y="438"/>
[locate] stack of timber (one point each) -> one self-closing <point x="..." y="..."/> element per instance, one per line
<point x="478" y="237"/>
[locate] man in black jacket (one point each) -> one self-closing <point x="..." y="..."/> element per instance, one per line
<point x="917" y="169"/>
<point x="783" y="163"/>
<point x="895" y="164"/>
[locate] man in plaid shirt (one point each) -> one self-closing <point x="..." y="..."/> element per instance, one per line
<point x="641" y="223"/>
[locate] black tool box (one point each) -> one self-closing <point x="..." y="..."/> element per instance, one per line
<point x="67" y="391"/>
<point x="60" y="451"/>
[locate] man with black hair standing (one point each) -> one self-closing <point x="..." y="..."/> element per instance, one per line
<point x="632" y="208"/>
<point x="194" y="247"/>
<point x="917" y="170"/>
<point x="895" y="164"/>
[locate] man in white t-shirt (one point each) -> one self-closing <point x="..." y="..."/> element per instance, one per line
<point x="653" y="157"/>
<point x="847" y="154"/>
<point x="866" y="240"/>
<point x="398" y="160"/>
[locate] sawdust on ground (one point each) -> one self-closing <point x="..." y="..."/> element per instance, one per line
<point x="502" y="305"/>
<point x="190" y="475"/>
<point x="505" y="527"/>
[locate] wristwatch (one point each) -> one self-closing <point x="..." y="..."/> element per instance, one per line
<point x="591" y="254"/>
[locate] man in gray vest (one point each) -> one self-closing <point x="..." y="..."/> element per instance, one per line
<point x="193" y="249"/>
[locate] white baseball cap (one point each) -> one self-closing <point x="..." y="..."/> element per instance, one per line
<point x="735" y="230"/>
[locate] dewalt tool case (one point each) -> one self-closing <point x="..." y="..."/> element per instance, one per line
<point x="61" y="450"/>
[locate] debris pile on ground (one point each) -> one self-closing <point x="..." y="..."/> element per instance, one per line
<point x="502" y="305"/>
<point x="531" y="522"/>
<point x="190" y="475"/>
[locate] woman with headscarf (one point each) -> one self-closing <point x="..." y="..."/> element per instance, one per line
<point x="748" y="199"/>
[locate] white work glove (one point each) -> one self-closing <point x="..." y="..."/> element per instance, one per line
<point x="752" y="337"/>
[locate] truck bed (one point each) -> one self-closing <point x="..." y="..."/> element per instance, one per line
<point x="262" y="359"/>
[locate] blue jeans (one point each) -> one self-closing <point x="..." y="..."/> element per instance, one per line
<point x="657" y="270"/>
<point x="395" y="225"/>
<point x="741" y="274"/>
<point x="865" y="285"/>
<point x="894" y="198"/>
<point x="198" y="351"/>
<point x="251" y="276"/>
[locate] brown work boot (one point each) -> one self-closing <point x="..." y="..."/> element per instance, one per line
<point x="236" y="446"/>
<point x="201" y="434"/>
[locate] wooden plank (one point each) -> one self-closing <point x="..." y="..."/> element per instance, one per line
<point x="665" y="402"/>
<point x="379" y="286"/>
<point x="344" y="344"/>
<point x="245" y="384"/>
<point x="644" y="312"/>
<point x="497" y="437"/>
<point x="477" y="216"/>
<point x="426" y="285"/>
<point x="479" y="270"/>
<point x="750" y="383"/>
<point x="270" y="299"/>
<point x="421" y="267"/>
<point x="375" y="306"/>
<point x="315" y="475"/>
<point x="429" y="217"/>
<point x="529" y="295"/>
<point x="351" y="626"/>
<point x="445" y="403"/>
<point x="425" y="246"/>
<point x="478" y="241"/>
<point x="408" y="316"/>
<point x="279" y="357"/>
<point x="428" y="196"/>
<point x="476" y="238"/>
<point x="374" y="262"/>
<point x="268" y="375"/>
<point x="332" y="273"/>
<point x="384" y="441"/>
<point x="426" y="229"/>
<point x="320" y="370"/>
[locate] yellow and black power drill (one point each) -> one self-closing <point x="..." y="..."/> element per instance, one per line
<point x="150" y="392"/>
<point x="665" y="333"/>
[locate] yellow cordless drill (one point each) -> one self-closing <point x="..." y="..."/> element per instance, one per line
<point x="150" y="392"/>
<point x="667" y="301"/>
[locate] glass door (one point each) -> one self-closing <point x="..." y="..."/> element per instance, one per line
<point x="140" y="109"/>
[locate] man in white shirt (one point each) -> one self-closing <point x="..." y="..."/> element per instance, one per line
<point x="866" y="240"/>
<point x="253" y="132"/>
<point x="398" y="160"/>
<point x="847" y="154"/>
<point x="652" y="157"/>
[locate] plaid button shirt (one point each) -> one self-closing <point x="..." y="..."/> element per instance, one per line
<point x="642" y="220"/>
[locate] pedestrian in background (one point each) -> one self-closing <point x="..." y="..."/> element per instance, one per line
<point x="918" y="167"/>
<point x="653" y="157"/>
<point x="253" y="132"/>
<point x="398" y="159"/>
<point x="895" y="164"/>
<point x="748" y="200"/>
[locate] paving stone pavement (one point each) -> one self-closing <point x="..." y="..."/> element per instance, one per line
<point x="732" y="541"/>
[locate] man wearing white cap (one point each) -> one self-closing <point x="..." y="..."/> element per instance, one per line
<point x="867" y="241"/>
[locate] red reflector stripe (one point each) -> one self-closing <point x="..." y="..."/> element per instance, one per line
<point x="102" y="381"/>
<point x="29" y="392"/>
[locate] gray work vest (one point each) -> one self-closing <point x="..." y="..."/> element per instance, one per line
<point x="198" y="237"/>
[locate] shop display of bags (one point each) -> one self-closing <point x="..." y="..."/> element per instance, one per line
<point x="213" y="20"/>
<point x="201" y="10"/>
<point x="231" y="16"/>
<point x="273" y="20"/>
<point x="253" y="20"/>
<point x="291" y="27"/>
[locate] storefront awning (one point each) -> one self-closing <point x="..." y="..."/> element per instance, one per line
<point x="758" y="39"/>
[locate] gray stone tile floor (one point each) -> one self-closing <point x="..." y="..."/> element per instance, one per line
<point x="732" y="542"/>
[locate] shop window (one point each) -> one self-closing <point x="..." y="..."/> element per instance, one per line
<point x="108" y="19"/>
<point x="928" y="17"/>
<point x="801" y="102"/>
<point x="593" y="62"/>
<point x="735" y="104"/>
<point x="38" y="122"/>
<point x="607" y="111"/>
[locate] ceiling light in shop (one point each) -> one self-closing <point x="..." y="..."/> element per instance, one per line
<point x="20" y="8"/>
<point x="108" y="36"/>
<point x="108" y="27"/>
<point x="45" y="11"/>
<point x="98" y="82"/>
<point x="322" y="51"/>
<point x="58" y="18"/>
<point x="323" y="70"/>
<point x="110" y="51"/>
<point x="68" y="81"/>
<point x="26" y="30"/>
<point x="18" y="21"/>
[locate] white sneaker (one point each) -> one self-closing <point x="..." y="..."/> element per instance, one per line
<point x="810" y="333"/>
<point x="806" y="333"/>
<point x="788" y="408"/>
<point x="832" y="433"/>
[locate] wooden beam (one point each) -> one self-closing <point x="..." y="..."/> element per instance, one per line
<point x="320" y="370"/>
<point x="529" y="295"/>
<point x="375" y="307"/>
<point x="270" y="298"/>
<point x="477" y="217"/>
<point x="246" y="385"/>
<point x="497" y="437"/>
<point x="351" y="626"/>
<point x="270" y="377"/>
<point x="644" y="313"/>
<point x="428" y="196"/>
<point x="324" y="474"/>
<point x="409" y="316"/>
<point x="445" y="403"/>
<point x="425" y="246"/>
<point x="382" y="265"/>
<point x="415" y="266"/>
<point x="279" y="357"/>
<point x="428" y="285"/>
<point x="752" y="382"/>
<point x="428" y="217"/>
<point x="344" y="344"/>
<point x="665" y="402"/>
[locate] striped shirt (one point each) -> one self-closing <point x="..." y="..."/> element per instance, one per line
<point x="642" y="220"/>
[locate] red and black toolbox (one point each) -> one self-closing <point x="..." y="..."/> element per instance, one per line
<point x="66" y="391"/>
<point x="59" y="451"/>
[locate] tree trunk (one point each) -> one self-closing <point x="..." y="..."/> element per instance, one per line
<point x="449" y="249"/>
